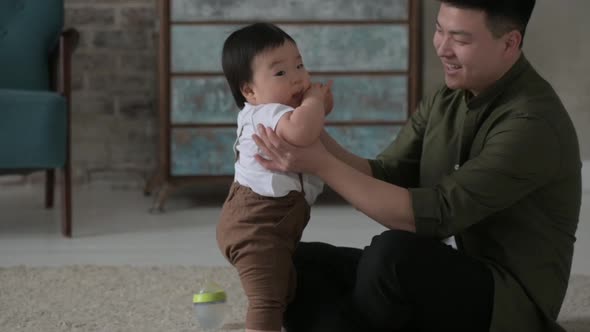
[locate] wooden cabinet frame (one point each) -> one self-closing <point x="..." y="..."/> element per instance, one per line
<point x="164" y="182"/>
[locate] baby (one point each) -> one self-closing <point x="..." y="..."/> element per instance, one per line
<point x="265" y="212"/>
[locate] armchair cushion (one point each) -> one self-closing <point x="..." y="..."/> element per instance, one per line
<point x="32" y="129"/>
<point x="29" y="32"/>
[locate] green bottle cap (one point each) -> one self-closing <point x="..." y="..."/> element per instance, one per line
<point x="217" y="296"/>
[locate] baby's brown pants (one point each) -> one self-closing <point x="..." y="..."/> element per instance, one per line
<point x="258" y="235"/>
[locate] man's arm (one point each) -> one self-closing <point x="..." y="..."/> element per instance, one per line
<point x="388" y="204"/>
<point x="352" y="176"/>
<point x="360" y="164"/>
<point x="378" y="187"/>
<point x="385" y="203"/>
<point x="521" y="154"/>
<point x="399" y="163"/>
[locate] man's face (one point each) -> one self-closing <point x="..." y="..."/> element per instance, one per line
<point x="472" y="58"/>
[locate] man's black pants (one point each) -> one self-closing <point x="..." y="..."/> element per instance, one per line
<point x="401" y="282"/>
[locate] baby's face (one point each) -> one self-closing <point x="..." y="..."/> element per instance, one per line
<point x="279" y="76"/>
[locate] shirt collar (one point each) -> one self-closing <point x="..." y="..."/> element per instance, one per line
<point x="489" y="94"/>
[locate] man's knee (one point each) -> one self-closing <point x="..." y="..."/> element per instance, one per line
<point x="378" y="291"/>
<point x="307" y="252"/>
<point x="392" y="247"/>
<point x="378" y="263"/>
<point x="393" y="252"/>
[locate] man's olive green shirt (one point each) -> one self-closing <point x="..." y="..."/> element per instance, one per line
<point x="501" y="171"/>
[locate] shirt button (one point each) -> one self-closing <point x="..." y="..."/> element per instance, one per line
<point x="456" y="167"/>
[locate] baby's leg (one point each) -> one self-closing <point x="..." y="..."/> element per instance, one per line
<point x="266" y="277"/>
<point x="258" y="236"/>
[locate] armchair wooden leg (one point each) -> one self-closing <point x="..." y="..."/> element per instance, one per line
<point x="49" y="187"/>
<point x="66" y="188"/>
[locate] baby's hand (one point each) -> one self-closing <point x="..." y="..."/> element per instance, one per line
<point x="315" y="90"/>
<point x="322" y="93"/>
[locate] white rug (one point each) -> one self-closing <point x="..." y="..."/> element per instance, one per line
<point x="128" y="299"/>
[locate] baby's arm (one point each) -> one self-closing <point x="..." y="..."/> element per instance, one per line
<point x="304" y="125"/>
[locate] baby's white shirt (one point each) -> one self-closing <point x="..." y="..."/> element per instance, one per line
<point x="249" y="173"/>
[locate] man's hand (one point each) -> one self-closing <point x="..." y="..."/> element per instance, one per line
<point x="284" y="157"/>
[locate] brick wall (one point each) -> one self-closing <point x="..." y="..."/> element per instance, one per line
<point x="114" y="119"/>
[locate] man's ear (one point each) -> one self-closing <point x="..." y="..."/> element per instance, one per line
<point x="513" y="40"/>
<point x="248" y="93"/>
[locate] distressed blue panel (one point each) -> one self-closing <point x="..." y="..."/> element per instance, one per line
<point x="209" y="151"/>
<point x="209" y="100"/>
<point x="378" y="98"/>
<point x="202" y="151"/>
<point x="198" y="48"/>
<point x="352" y="48"/>
<point x="202" y="100"/>
<point x="368" y="47"/>
<point x="203" y="10"/>
<point x="364" y="141"/>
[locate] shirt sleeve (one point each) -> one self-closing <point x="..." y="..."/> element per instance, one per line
<point x="520" y="155"/>
<point x="399" y="163"/>
<point x="270" y="114"/>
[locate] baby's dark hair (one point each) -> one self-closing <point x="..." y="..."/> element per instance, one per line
<point x="239" y="51"/>
<point x="502" y="15"/>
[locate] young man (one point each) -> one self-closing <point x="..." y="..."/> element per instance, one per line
<point x="492" y="158"/>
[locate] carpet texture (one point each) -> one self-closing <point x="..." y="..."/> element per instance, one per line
<point x="128" y="299"/>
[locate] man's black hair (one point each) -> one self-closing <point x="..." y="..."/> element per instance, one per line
<point x="503" y="16"/>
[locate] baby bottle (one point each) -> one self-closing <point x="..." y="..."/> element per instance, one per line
<point x="210" y="306"/>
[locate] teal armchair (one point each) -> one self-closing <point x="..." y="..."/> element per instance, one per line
<point x="35" y="53"/>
